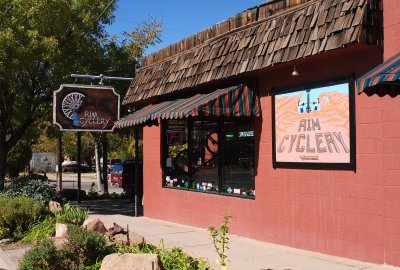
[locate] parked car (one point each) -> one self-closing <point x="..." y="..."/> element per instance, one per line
<point x="123" y="175"/>
<point x="72" y="166"/>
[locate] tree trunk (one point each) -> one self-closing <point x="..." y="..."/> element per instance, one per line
<point x="3" y="163"/>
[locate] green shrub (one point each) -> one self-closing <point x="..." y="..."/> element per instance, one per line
<point x="18" y="213"/>
<point x="72" y="215"/>
<point x="84" y="250"/>
<point x="33" y="188"/>
<point x="40" y="230"/>
<point x="46" y="227"/>
<point x="42" y="256"/>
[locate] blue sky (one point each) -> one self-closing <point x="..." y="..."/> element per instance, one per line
<point x="181" y="18"/>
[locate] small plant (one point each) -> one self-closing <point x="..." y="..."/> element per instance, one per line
<point x="171" y="259"/>
<point x="42" y="256"/>
<point x="221" y="240"/>
<point x="17" y="214"/>
<point x="72" y="215"/>
<point x="46" y="227"/>
<point x="39" y="230"/>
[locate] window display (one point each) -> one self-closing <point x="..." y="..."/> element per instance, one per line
<point x="210" y="155"/>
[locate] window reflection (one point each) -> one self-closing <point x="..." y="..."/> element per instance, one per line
<point x="208" y="156"/>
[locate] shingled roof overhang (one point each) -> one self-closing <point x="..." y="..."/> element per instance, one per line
<point x="276" y="32"/>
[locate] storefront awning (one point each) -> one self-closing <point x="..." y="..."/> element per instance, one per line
<point x="382" y="79"/>
<point x="233" y="101"/>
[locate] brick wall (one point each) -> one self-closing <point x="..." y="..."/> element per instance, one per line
<point x="391" y="24"/>
<point x="344" y="213"/>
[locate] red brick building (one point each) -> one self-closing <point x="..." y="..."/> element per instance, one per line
<point x="303" y="161"/>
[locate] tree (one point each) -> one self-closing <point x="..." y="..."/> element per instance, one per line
<point x="41" y="43"/>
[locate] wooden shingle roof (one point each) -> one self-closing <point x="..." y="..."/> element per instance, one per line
<point x="273" y="33"/>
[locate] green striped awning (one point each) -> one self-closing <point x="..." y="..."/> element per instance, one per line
<point x="381" y="80"/>
<point x="233" y="101"/>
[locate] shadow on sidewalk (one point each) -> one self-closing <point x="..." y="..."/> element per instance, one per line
<point x="110" y="207"/>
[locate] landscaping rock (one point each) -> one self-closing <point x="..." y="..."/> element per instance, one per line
<point x="6" y="241"/>
<point x="135" y="239"/>
<point x="130" y="261"/>
<point x="86" y="222"/>
<point x="96" y="226"/>
<point x="121" y="239"/>
<point x="116" y="229"/>
<point x="54" y="207"/>
<point x="61" y="230"/>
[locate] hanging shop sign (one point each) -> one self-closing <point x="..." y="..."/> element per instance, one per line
<point x="85" y="108"/>
<point x="314" y="127"/>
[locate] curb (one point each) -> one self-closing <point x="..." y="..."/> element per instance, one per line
<point x="5" y="262"/>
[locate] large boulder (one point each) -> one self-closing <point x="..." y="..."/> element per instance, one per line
<point x="96" y="226"/>
<point x="129" y="261"/>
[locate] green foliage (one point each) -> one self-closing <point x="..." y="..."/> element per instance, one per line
<point x="221" y="240"/>
<point x="42" y="256"/>
<point x="106" y="196"/>
<point x="41" y="42"/>
<point x="84" y="250"/>
<point x="144" y="35"/>
<point x="172" y="259"/>
<point x="17" y="214"/>
<point x="33" y="188"/>
<point x="72" y="215"/>
<point x="40" y="230"/>
<point x="46" y="227"/>
<point x="18" y="158"/>
<point x="95" y="266"/>
<point x="4" y="232"/>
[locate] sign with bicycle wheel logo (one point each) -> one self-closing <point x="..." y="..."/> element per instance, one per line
<point x="85" y="108"/>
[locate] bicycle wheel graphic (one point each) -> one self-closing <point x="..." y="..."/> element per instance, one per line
<point x="71" y="104"/>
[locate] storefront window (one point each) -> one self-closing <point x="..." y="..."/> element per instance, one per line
<point x="238" y="158"/>
<point x="204" y="163"/>
<point x="210" y="156"/>
<point x="176" y="169"/>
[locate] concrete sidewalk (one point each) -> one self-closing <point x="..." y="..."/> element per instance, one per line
<point x="6" y="263"/>
<point x="243" y="253"/>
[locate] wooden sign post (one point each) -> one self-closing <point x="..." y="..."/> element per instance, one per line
<point x="86" y="108"/>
